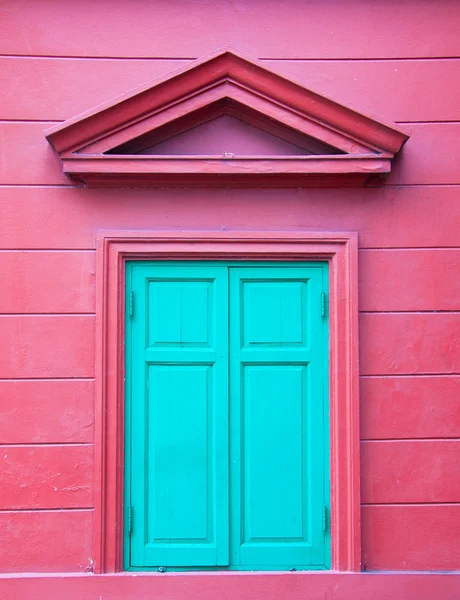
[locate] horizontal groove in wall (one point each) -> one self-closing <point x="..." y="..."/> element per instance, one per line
<point x="61" y="250"/>
<point x="236" y="232"/>
<point x="413" y="248"/>
<point x="13" y="379"/>
<point x="436" y="122"/>
<point x="410" y="440"/>
<point x="45" y="444"/>
<point x="367" y="59"/>
<point x="262" y="58"/>
<point x="409" y="312"/>
<point x="382" y="375"/>
<point x="362" y="312"/>
<point x="366" y="440"/>
<point x="368" y="187"/>
<point x="44" y="510"/>
<point x="452" y="374"/>
<point x="48" y="314"/>
<point x="30" y="121"/>
<point x="411" y="504"/>
<point x="384" y="248"/>
<point x="118" y="58"/>
<point x="410" y="185"/>
<point x="45" y="185"/>
<point x="379" y="376"/>
<point x="362" y="376"/>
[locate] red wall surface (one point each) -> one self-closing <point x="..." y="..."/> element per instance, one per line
<point x="397" y="60"/>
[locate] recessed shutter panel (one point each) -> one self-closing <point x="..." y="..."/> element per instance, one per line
<point x="277" y="378"/>
<point x="178" y="369"/>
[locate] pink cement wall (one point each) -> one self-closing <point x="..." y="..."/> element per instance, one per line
<point x="398" y="60"/>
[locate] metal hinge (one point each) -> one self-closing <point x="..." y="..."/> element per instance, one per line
<point x="130" y="304"/>
<point x="323" y="305"/>
<point x="325" y="514"/>
<point x="130" y="519"/>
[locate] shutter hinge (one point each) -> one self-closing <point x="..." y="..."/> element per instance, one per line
<point x="325" y="515"/>
<point x="130" y="304"/>
<point x="130" y="519"/>
<point x="323" y="305"/>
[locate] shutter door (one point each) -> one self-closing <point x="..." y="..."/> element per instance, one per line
<point x="178" y="371"/>
<point x="277" y="374"/>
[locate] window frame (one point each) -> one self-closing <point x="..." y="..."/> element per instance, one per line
<point x="340" y="250"/>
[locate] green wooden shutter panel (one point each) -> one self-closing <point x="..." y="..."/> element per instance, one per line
<point x="277" y="427"/>
<point x="179" y="408"/>
<point x="226" y="441"/>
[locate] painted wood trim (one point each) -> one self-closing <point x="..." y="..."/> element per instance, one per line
<point x="290" y="171"/>
<point x="227" y="97"/>
<point x="340" y="250"/>
<point x="222" y="66"/>
<point x="216" y="80"/>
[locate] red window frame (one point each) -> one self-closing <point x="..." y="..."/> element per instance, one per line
<point x="340" y="250"/>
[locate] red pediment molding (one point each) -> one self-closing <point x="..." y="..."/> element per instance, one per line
<point x="125" y="141"/>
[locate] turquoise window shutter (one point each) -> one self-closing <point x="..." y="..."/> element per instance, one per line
<point x="277" y="425"/>
<point x="179" y="416"/>
<point x="226" y="416"/>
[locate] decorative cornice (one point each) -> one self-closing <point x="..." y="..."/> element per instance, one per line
<point x="101" y="146"/>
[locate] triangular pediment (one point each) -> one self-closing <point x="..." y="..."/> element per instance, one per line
<point x="227" y="136"/>
<point x="224" y="120"/>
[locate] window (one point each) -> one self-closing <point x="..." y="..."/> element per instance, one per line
<point x="226" y="416"/>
